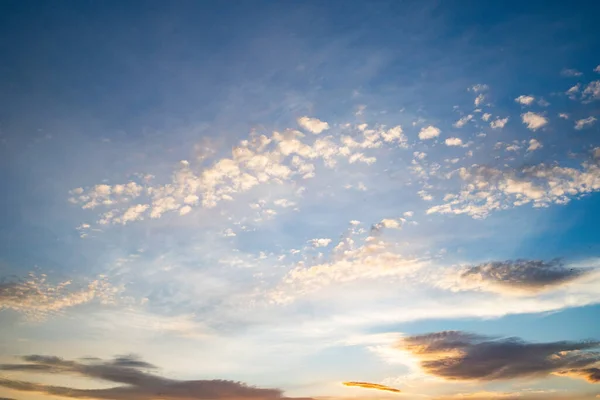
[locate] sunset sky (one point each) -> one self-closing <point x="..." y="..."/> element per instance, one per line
<point x="257" y="200"/>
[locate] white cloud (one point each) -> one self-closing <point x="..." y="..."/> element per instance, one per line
<point x="453" y="141"/>
<point x="584" y="123"/>
<point x="429" y="132"/>
<point x="313" y="125"/>
<point x="479" y="99"/>
<point x="569" y="72"/>
<point x="36" y="298"/>
<point x="488" y="189"/>
<point x="463" y="121"/>
<point x="597" y="69"/>
<point x="591" y="91"/>
<point x="563" y="116"/>
<point x="322" y="242"/>
<point x="360" y="109"/>
<point x="534" y="145"/>
<point x="525" y="100"/>
<point x="486" y="117"/>
<point x="533" y="121"/>
<point x="424" y="195"/>
<point x="573" y="91"/>
<point x="479" y="88"/>
<point x="499" y="123"/>
<point x="371" y="260"/>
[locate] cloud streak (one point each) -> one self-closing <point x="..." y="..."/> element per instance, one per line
<point x="456" y="355"/>
<point x="139" y="384"/>
<point x="368" y="385"/>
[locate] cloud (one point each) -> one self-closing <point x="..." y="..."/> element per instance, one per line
<point x="429" y="132"/>
<point x="320" y="242"/>
<point x="584" y="123"/>
<point x="259" y="161"/>
<point x="597" y="69"/>
<point x="453" y="141"/>
<point x="525" y="100"/>
<point x="479" y="99"/>
<point x="463" y="121"/>
<point x="521" y="395"/>
<point x="534" y="145"/>
<point x="569" y="72"/>
<point x="139" y="384"/>
<point x="488" y="189"/>
<point x="349" y="261"/>
<point x="486" y="117"/>
<point x="499" y="123"/>
<point x="533" y="121"/>
<point x="456" y="355"/>
<point x="516" y="277"/>
<point x="573" y="91"/>
<point x="480" y="87"/>
<point x="368" y="385"/>
<point x="563" y="116"/>
<point x="36" y="298"/>
<point x="591" y="92"/>
<point x="313" y="125"/>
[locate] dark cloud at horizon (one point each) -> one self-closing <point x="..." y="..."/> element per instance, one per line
<point x="129" y="370"/>
<point x="456" y="355"/>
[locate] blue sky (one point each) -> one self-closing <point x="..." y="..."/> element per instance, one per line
<point x="294" y="195"/>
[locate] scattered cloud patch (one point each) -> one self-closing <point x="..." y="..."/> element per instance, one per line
<point x="479" y="100"/>
<point x="591" y="92"/>
<point x="323" y="242"/>
<point x="454" y="141"/>
<point x="534" y="145"/>
<point x="37" y="298"/>
<point x="486" y="117"/>
<point x="463" y="121"/>
<point x="313" y="125"/>
<point x="534" y="121"/>
<point x="499" y="123"/>
<point x="525" y="100"/>
<point x="584" y="123"/>
<point x="488" y="189"/>
<point x="570" y="72"/>
<point x="429" y="132"/>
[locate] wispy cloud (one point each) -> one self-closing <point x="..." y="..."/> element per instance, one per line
<point x="368" y="385"/>
<point x="584" y="123"/>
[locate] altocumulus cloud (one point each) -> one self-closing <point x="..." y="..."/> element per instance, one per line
<point x="456" y="355"/>
<point x="139" y="383"/>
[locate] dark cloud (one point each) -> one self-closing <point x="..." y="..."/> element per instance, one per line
<point x="369" y="385"/>
<point x="525" y="395"/>
<point x="456" y="355"/>
<point x="131" y="371"/>
<point x="530" y="275"/>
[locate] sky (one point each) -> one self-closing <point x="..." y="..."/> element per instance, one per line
<point x="242" y="200"/>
